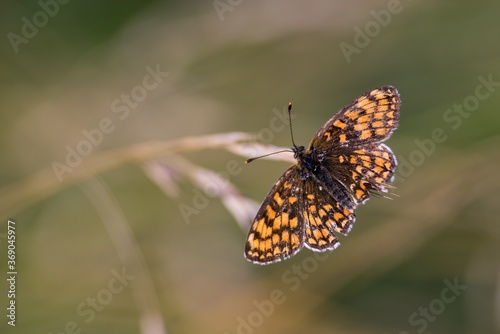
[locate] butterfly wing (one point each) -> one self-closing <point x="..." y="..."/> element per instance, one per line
<point x="277" y="231"/>
<point x="349" y="144"/>
<point x="323" y="216"/>
<point x="296" y="211"/>
<point x="371" y="118"/>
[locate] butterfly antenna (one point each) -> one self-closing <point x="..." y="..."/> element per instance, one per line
<point x="290" y="122"/>
<point x="265" y="155"/>
<point x="291" y="133"/>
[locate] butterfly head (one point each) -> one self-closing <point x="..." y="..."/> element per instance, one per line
<point x="298" y="151"/>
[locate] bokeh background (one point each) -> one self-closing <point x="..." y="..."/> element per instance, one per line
<point x="232" y="67"/>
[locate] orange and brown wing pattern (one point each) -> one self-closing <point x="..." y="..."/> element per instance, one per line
<point x="323" y="216"/>
<point x="277" y="231"/>
<point x="366" y="169"/>
<point x="350" y="142"/>
<point x="372" y="117"/>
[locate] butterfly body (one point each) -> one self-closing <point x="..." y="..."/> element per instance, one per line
<point x="342" y="166"/>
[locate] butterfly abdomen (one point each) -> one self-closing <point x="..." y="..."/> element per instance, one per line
<point x="314" y="166"/>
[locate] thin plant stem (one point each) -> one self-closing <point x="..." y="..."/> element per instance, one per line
<point x="44" y="183"/>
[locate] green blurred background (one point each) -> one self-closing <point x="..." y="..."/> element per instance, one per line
<point x="228" y="68"/>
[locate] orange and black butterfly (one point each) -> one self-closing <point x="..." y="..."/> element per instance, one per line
<point x="315" y="198"/>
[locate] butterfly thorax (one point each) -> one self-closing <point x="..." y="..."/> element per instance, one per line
<point x="311" y="165"/>
<point x="307" y="159"/>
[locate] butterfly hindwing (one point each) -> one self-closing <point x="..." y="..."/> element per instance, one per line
<point x="323" y="216"/>
<point x="364" y="170"/>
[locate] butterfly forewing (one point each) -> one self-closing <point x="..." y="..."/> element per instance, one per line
<point x="370" y="118"/>
<point x="278" y="229"/>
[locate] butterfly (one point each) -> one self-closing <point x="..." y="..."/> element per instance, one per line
<point x="345" y="163"/>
